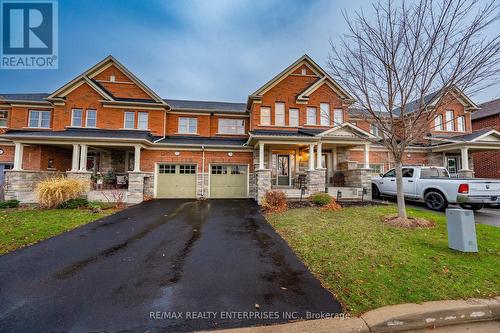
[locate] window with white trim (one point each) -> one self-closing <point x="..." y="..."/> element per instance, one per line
<point x="324" y="116"/>
<point x="376" y="168"/>
<point x="438" y="123"/>
<point x="129" y="122"/>
<point x="338" y="116"/>
<point x="39" y="119"/>
<point x="265" y="115"/>
<point x="279" y="114"/>
<point x="91" y="118"/>
<point x="293" y="117"/>
<point x="76" y="117"/>
<point x="4" y="115"/>
<point x="188" y="125"/>
<point x="142" y="121"/>
<point x="450" y="127"/>
<point x="461" y="123"/>
<point x="311" y="116"/>
<point x="231" y="126"/>
<point x="374" y="129"/>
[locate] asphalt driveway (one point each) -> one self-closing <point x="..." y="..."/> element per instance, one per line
<point x="160" y="266"/>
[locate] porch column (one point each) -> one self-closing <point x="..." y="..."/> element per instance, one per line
<point x="319" y="156"/>
<point x="311" y="157"/>
<point x="261" y="156"/>
<point x="367" y="156"/>
<point x="137" y="159"/>
<point x="464" y="151"/>
<point x="75" y="160"/>
<point x="83" y="157"/>
<point x="18" y="156"/>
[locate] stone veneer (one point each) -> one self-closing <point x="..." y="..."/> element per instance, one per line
<point x="359" y="178"/>
<point x="81" y="175"/>
<point x="136" y="182"/>
<point x="263" y="181"/>
<point x="21" y="185"/>
<point x="315" y="181"/>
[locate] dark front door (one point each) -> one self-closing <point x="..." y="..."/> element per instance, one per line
<point x="283" y="170"/>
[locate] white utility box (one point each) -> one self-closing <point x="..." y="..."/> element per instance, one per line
<point x="461" y="230"/>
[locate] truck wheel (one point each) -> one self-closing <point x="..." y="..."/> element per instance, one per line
<point x="435" y="201"/>
<point x="471" y="206"/>
<point x="375" y="192"/>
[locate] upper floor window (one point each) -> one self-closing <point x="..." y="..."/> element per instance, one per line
<point x="142" y="121"/>
<point x="450" y="127"/>
<point x="4" y="114"/>
<point x="374" y="130"/>
<point x="338" y="116"/>
<point x="265" y="115"/>
<point x="40" y="119"/>
<point x="91" y="120"/>
<point x="129" y="120"/>
<point x="293" y="117"/>
<point x="438" y="123"/>
<point x="461" y="123"/>
<point x="311" y="116"/>
<point x="231" y="126"/>
<point x="76" y="117"/>
<point x="279" y="114"/>
<point x="324" y="114"/>
<point x="188" y="125"/>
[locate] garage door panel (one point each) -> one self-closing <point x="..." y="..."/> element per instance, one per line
<point x="176" y="181"/>
<point x="228" y="181"/>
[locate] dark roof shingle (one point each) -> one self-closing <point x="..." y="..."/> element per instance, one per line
<point x="206" y="105"/>
<point x="35" y="97"/>
<point x="487" y="109"/>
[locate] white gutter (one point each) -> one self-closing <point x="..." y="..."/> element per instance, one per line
<point x="202" y="171"/>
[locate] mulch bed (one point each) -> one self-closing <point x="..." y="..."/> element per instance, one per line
<point x="410" y="222"/>
<point x="307" y="203"/>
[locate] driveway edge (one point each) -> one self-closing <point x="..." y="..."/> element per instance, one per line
<point x="394" y="318"/>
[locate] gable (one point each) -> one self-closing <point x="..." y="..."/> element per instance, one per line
<point x="346" y="130"/>
<point x="325" y="92"/>
<point x="122" y="86"/>
<point x="304" y="69"/>
<point x="342" y="132"/>
<point x="84" y="96"/>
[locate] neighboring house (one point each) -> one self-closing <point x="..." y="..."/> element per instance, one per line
<point x="487" y="163"/>
<point x="298" y="128"/>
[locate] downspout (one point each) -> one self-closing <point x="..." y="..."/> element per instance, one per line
<point x="202" y="171"/>
<point x="164" y="127"/>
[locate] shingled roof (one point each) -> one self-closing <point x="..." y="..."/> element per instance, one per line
<point x="178" y="104"/>
<point x="487" y="109"/>
<point x="35" y="97"/>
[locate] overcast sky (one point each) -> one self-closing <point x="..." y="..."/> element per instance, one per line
<point x="204" y="50"/>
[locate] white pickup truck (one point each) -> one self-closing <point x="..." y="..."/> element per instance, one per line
<point x="434" y="186"/>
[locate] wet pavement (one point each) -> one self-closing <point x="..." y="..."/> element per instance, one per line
<point x="161" y="266"/>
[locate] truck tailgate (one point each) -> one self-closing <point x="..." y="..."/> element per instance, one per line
<point x="484" y="188"/>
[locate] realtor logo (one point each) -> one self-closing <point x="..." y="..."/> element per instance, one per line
<point x="29" y="34"/>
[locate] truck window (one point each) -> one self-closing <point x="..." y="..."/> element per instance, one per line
<point x="434" y="173"/>
<point x="407" y="173"/>
<point x="390" y="173"/>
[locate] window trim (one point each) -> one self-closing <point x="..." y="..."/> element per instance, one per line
<point x="450" y="122"/>
<point x="187" y="127"/>
<point x="321" y="113"/>
<point x="310" y="108"/>
<point x="461" y="127"/>
<point x="440" y="127"/>
<point x="39" y="119"/>
<point x="282" y="116"/>
<point x="336" y="111"/>
<point x="6" y="118"/>
<point x="87" y="118"/>
<point x="125" y="119"/>
<point x="139" y="120"/>
<point x="290" y="117"/>
<point x="237" y="127"/>
<point x="268" y="109"/>
<point x="73" y="117"/>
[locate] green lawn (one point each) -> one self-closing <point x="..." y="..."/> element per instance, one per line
<point x="21" y="227"/>
<point x="368" y="265"/>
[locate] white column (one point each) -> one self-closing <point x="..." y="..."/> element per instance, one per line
<point x="83" y="157"/>
<point x="464" y="151"/>
<point x="367" y="156"/>
<point x="76" y="158"/>
<point x="261" y="156"/>
<point x="311" y="157"/>
<point x="18" y="156"/>
<point x="319" y="155"/>
<point x="334" y="159"/>
<point x="137" y="159"/>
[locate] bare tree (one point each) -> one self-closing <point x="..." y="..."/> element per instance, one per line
<point x="396" y="59"/>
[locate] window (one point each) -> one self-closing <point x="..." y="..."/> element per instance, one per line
<point x="407" y="173"/>
<point x="303" y="71"/>
<point x="231" y="126"/>
<point x="461" y="123"/>
<point x="279" y="114"/>
<point x="76" y="117"/>
<point x="3" y="118"/>
<point x="91" y="120"/>
<point x="375" y="168"/>
<point x="434" y="173"/>
<point x="129" y="120"/>
<point x="324" y="109"/>
<point x="293" y="117"/>
<point x="219" y="170"/>
<point x="142" y="120"/>
<point x="338" y="116"/>
<point x="188" y="125"/>
<point x="40" y="119"/>
<point x="311" y="116"/>
<point x="438" y="123"/>
<point x="449" y="121"/>
<point x="238" y="170"/>
<point x="391" y="173"/>
<point x="374" y="129"/>
<point x="265" y="115"/>
<point x="187" y="169"/>
<point x="166" y="168"/>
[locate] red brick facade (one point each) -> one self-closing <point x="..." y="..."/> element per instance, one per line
<point x="487" y="164"/>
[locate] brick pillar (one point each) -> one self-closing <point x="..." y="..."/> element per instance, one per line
<point x="263" y="180"/>
<point x="315" y="181"/>
<point x="136" y="187"/>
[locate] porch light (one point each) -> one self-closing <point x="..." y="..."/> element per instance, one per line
<point x="230" y="154"/>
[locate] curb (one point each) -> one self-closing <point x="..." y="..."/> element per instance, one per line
<point x="394" y="318"/>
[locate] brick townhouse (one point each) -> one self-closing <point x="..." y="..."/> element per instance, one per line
<point x="487" y="163"/>
<point x="108" y="128"/>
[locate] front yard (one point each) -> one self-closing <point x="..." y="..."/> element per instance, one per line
<point x="367" y="264"/>
<point x="22" y="227"/>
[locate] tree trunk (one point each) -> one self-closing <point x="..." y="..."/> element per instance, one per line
<point x="399" y="189"/>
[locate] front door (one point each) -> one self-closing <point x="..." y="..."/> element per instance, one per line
<point x="452" y="165"/>
<point x="283" y="170"/>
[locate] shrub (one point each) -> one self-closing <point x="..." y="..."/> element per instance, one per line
<point x="54" y="191"/>
<point x="322" y="199"/>
<point x="274" y="201"/>
<point x="95" y="208"/>
<point x="74" y="204"/>
<point x="332" y="206"/>
<point x="9" y="204"/>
